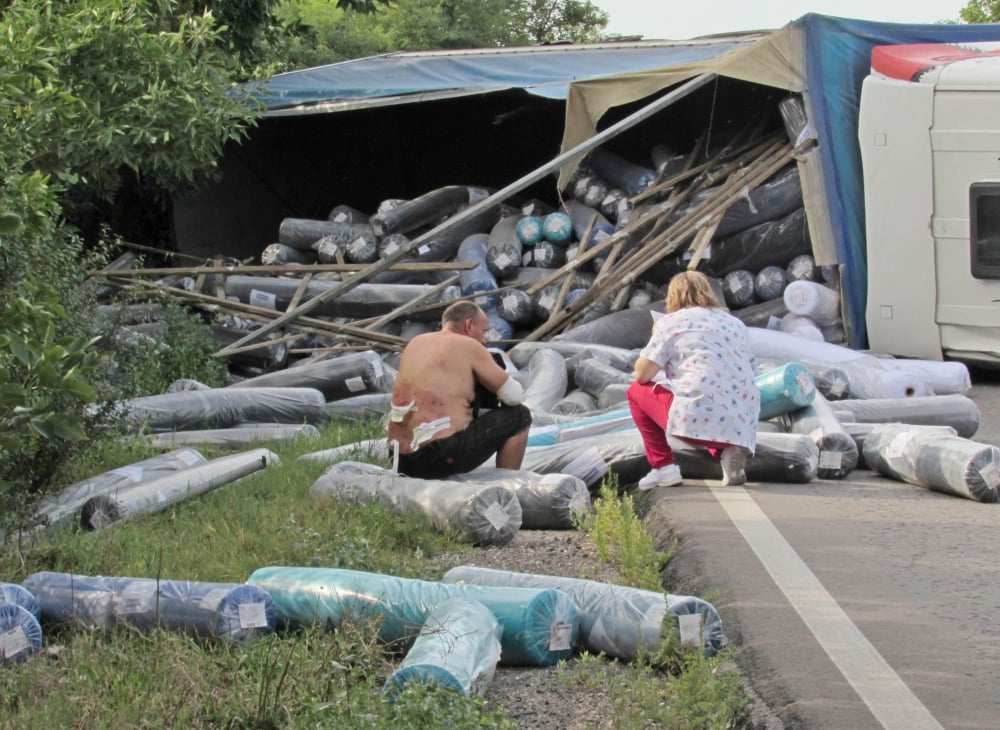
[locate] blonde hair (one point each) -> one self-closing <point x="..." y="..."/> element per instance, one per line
<point x="691" y="289"/>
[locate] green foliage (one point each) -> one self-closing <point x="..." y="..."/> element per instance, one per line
<point x="622" y="539"/>
<point x="181" y="347"/>
<point x="322" y="33"/>
<point x="980" y="11"/>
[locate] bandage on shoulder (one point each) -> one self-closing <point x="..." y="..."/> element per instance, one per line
<point x="511" y="393"/>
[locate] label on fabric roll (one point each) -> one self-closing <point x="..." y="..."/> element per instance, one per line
<point x="358" y="245"/>
<point x="355" y="384"/>
<point x="13" y="642"/>
<point x="390" y="249"/>
<point x="502" y="260"/>
<point x="898" y="445"/>
<point x="340" y="217"/>
<point x="132" y="473"/>
<point x="211" y="600"/>
<point x="991" y="475"/>
<point x="423" y="250"/>
<point x="689" y="625"/>
<point x="578" y="504"/>
<point x="260" y="298"/>
<point x="135" y="599"/>
<point x="546" y="301"/>
<point x="189" y="457"/>
<point x="496" y="516"/>
<point x="805" y="383"/>
<point x="377" y="367"/>
<point x="510" y="301"/>
<point x="561" y="637"/>
<point x="830" y="459"/>
<point x="774" y="323"/>
<point x="477" y="194"/>
<point x="252" y="616"/>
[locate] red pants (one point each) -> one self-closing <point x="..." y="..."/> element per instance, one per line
<point x="649" y="408"/>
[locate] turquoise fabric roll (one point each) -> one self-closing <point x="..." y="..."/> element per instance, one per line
<point x="458" y="648"/>
<point x="785" y="389"/>
<point x="540" y="626"/>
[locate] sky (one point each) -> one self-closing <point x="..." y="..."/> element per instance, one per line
<point x="678" y="20"/>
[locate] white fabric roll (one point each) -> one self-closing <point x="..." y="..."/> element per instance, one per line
<point x="942" y="377"/>
<point x="801" y="326"/>
<point x="819" y="303"/>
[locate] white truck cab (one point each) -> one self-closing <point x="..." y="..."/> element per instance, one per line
<point x="929" y="133"/>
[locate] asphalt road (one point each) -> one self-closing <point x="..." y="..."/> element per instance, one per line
<point x="855" y="603"/>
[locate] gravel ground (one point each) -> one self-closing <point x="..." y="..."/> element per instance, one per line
<point x="542" y="698"/>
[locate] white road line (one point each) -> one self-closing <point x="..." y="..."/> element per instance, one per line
<point x="887" y="696"/>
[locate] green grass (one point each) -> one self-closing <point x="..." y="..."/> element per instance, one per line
<point x="302" y="679"/>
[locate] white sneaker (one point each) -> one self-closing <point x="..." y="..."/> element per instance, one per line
<point x="734" y="461"/>
<point x="665" y="476"/>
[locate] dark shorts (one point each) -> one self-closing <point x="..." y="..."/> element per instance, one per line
<point x="466" y="449"/>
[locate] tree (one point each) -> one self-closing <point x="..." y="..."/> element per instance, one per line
<point x="980" y="11"/>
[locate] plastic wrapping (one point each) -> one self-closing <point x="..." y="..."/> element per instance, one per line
<point x="860" y="431"/>
<point x="557" y="227"/>
<point x="785" y="389"/>
<point x="944" y="463"/>
<point x="545" y="255"/>
<point x="626" y="329"/>
<point x="771" y="243"/>
<point x="547" y="380"/>
<point x="621" y="173"/>
<point x="548" y="501"/>
<point x="616" y="394"/>
<point x="738" y="288"/>
<point x="943" y="377"/>
<point x="303" y="233"/>
<point x="20" y="596"/>
<point x="779" y="457"/>
<point x="278" y="254"/>
<point x="428" y="208"/>
<point x="620" y="453"/>
<point x="63" y="508"/>
<point x="515" y="306"/>
<point x="20" y="634"/>
<point x="225" y="612"/>
<point x="594" y="376"/>
<point x="762" y="314"/>
<point x="222" y="408"/>
<point x="957" y="411"/>
<point x="270" y="357"/>
<point x="801" y="326"/>
<point x="480" y="279"/>
<point x="358" y="407"/>
<point x="620" y="357"/>
<point x="482" y="513"/>
<point x="503" y="248"/>
<point x="543" y="301"/>
<point x="838" y="454"/>
<point x="810" y="299"/>
<point x="156" y="495"/>
<point x="540" y="626"/>
<point x="458" y="648"/>
<point x="529" y="230"/>
<point x="617" y="621"/>
<point x="363" y="301"/>
<point x="769" y="283"/>
<point x="573" y="428"/>
<point x="802" y="268"/>
<point x="237" y="437"/>
<point x="341" y="376"/>
<point x="581" y="215"/>
<point x="574" y="403"/>
<point x="346" y="214"/>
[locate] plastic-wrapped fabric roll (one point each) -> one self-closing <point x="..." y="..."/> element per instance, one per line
<point x="615" y="205"/>
<point x="497" y="328"/>
<point x="785" y="389"/>
<point x="547" y="255"/>
<point x="628" y="176"/>
<point x="943" y="377"/>
<point x="548" y="501"/>
<point x="590" y="190"/>
<point x="458" y="648"/>
<point x="480" y="279"/>
<point x="762" y="314"/>
<point x="303" y="233"/>
<point x="515" y="306"/>
<point x="278" y="254"/>
<point x="771" y="243"/>
<point x="361" y="248"/>
<point x="613" y="396"/>
<point x="810" y="299"/>
<point x="581" y="216"/>
<point x="738" y="288"/>
<point x="63" y="508"/>
<point x="360" y="407"/>
<point x="237" y="437"/>
<point x="622" y="358"/>
<point x="391" y="244"/>
<point x="860" y="431"/>
<point x="20" y="634"/>
<point x="557" y="228"/>
<point x="336" y="377"/>
<point x="375" y="449"/>
<point x="223" y="407"/>
<point x="346" y="214"/>
<point x="620" y="453"/>
<point x="357" y="241"/>
<point x="503" y="247"/>
<point x="619" y="621"/>
<point x="575" y="402"/>
<point x="626" y="328"/>
<point x="20" y="596"/>
<point x="769" y="283"/>
<point x="801" y="268"/>
<point x="574" y="428"/>
<point x="543" y="302"/>
<point x="838" y="454"/>
<point x="789" y="458"/>
<point x="540" y="626"/>
<point x="364" y="300"/>
<point x="957" y="411"/>
<point x="801" y="326"/>
<point x="949" y="464"/>
<point x="427" y="208"/>
<point x="271" y="357"/>
<point x="156" y="495"/>
<point x="547" y="380"/>
<point x="594" y="377"/>
<point x="529" y="230"/>
<point x="226" y="612"/>
<point x="482" y="513"/>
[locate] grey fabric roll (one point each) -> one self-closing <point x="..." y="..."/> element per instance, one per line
<point x="838" y="454"/>
<point x="546" y="383"/>
<point x="575" y="402"/>
<point x="957" y="411"/>
<point x="927" y="458"/>
<point x="595" y="376"/>
<point x="548" y="501"/>
<point x="336" y="377"/>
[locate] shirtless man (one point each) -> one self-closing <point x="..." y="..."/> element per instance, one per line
<point x="432" y="419"/>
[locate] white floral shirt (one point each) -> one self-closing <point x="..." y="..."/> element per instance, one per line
<point x="709" y="367"/>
